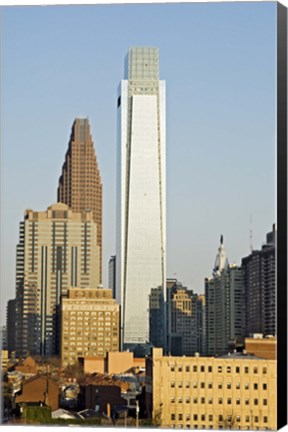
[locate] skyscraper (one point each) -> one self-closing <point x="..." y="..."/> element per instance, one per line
<point x="260" y="288"/>
<point x="80" y="184"/>
<point x="57" y="250"/>
<point x="224" y="304"/>
<point x="141" y="188"/>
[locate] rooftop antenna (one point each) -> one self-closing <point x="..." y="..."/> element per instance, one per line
<point x="251" y="235"/>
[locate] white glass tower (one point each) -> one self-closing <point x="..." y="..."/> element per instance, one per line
<point x="141" y="188"/>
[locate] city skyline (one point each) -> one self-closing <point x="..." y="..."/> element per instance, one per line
<point x="205" y="198"/>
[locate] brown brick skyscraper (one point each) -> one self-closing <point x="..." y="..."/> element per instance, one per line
<point x="80" y="184"/>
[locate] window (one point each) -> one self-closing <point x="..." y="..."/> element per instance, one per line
<point x="195" y="400"/>
<point x="237" y="385"/>
<point x="247" y="419"/>
<point x="255" y="386"/>
<point x="238" y="401"/>
<point x="238" y="418"/>
<point x="228" y="369"/>
<point x="187" y="384"/>
<point x="229" y="401"/>
<point x="194" y="368"/>
<point x="202" y="368"/>
<point x="210" y="418"/>
<point x="219" y="385"/>
<point x="202" y="400"/>
<point x="187" y="369"/>
<point x="180" y="416"/>
<point x="210" y="385"/>
<point x="203" y="417"/>
<point x="180" y="399"/>
<point x="180" y="384"/>
<point x="220" y="401"/>
<point x="246" y="401"/>
<point x="264" y="401"/>
<point x="195" y="384"/>
<point x="195" y="417"/>
<point x="172" y="416"/>
<point x="255" y="401"/>
<point x="229" y="385"/>
<point x="219" y="369"/>
<point x="210" y="400"/>
<point x="180" y="369"/>
<point x="209" y="368"/>
<point x="265" y="419"/>
<point x="172" y="384"/>
<point x="202" y="385"/>
<point x="172" y="368"/>
<point x="187" y="416"/>
<point x="246" y="369"/>
<point x="256" y="419"/>
<point x="237" y="369"/>
<point x="264" y="386"/>
<point x="246" y="386"/>
<point x="264" y="370"/>
<point x="187" y="399"/>
<point x="255" y="370"/>
<point x="220" y="417"/>
<point x="172" y="399"/>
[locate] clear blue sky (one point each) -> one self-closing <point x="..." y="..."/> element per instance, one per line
<point x="218" y="61"/>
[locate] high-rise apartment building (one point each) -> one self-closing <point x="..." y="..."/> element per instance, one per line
<point x="141" y="208"/>
<point x="184" y="318"/>
<point x="260" y="288"/>
<point x="182" y="313"/>
<point x="224" y="304"/>
<point x="57" y="250"/>
<point x="80" y="184"/>
<point x="227" y="392"/>
<point x="90" y="323"/>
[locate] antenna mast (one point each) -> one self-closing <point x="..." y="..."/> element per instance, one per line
<point x="251" y="235"/>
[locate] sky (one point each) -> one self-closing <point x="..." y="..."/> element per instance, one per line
<point x="218" y="60"/>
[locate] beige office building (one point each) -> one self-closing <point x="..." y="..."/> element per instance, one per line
<point x="80" y="185"/>
<point x="229" y="392"/>
<point x="89" y="324"/>
<point x="57" y="250"/>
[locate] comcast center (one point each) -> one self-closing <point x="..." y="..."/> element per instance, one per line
<point x="141" y="188"/>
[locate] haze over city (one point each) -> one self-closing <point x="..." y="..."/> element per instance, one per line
<point x="64" y="62"/>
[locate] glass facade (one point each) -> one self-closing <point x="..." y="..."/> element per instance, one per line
<point x="141" y="230"/>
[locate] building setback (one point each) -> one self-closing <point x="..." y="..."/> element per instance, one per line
<point x="259" y="279"/>
<point x="141" y="189"/>
<point x="224" y="305"/>
<point x="89" y="324"/>
<point x="57" y="250"/>
<point x="229" y="392"/>
<point x="80" y="184"/>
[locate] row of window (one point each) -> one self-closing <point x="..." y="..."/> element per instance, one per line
<point x="256" y="386"/>
<point x="220" y="369"/>
<point x="221" y="418"/>
<point x="220" y="400"/>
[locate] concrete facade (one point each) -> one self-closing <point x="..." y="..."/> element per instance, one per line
<point x="230" y="392"/>
<point x="57" y="250"/>
<point x="89" y="324"/>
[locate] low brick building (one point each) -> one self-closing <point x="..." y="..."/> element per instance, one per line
<point x="40" y="389"/>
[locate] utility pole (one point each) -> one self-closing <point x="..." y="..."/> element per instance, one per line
<point x="137" y="413"/>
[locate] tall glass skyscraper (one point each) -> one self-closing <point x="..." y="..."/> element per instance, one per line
<point x="141" y="188"/>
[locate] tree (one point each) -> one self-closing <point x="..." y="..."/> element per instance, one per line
<point x="229" y="421"/>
